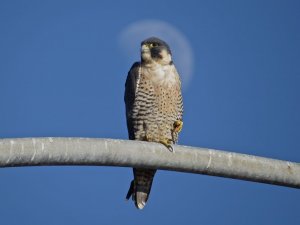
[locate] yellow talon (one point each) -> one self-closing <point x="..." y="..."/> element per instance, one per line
<point x="178" y="124"/>
<point x="167" y="143"/>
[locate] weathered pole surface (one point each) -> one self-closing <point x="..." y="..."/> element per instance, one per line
<point x="109" y="152"/>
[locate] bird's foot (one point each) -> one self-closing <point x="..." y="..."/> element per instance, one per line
<point x="148" y="138"/>
<point x="178" y="124"/>
<point x="168" y="143"/>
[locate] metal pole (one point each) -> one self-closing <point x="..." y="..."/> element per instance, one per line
<point x="110" y="152"/>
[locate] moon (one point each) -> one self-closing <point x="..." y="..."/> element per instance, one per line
<point x="133" y="34"/>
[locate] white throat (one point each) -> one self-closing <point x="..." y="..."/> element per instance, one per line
<point x="161" y="75"/>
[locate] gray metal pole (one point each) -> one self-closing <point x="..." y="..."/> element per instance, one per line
<point x="110" y="152"/>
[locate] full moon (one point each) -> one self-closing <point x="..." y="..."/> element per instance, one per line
<point x="132" y="35"/>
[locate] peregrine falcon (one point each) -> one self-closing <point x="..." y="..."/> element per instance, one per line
<point x="154" y="108"/>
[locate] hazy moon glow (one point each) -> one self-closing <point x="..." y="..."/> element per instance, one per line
<point x="183" y="58"/>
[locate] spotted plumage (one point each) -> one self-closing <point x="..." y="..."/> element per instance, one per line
<point x="154" y="107"/>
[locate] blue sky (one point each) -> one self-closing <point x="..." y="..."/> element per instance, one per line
<point x="62" y="73"/>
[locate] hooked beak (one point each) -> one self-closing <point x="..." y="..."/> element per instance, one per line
<point x="145" y="49"/>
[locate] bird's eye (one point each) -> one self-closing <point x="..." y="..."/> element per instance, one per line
<point x="151" y="45"/>
<point x="154" y="45"/>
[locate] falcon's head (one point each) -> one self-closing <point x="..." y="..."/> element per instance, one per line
<point x="154" y="49"/>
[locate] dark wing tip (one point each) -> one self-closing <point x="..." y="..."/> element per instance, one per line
<point x="130" y="191"/>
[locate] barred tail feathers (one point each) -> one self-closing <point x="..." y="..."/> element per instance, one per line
<point x="140" y="187"/>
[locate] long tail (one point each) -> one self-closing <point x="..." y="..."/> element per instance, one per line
<point x="140" y="187"/>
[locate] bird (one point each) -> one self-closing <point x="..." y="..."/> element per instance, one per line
<point x="154" y="108"/>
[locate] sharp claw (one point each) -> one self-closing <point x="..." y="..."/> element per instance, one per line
<point x="170" y="147"/>
<point x="167" y="144"/>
